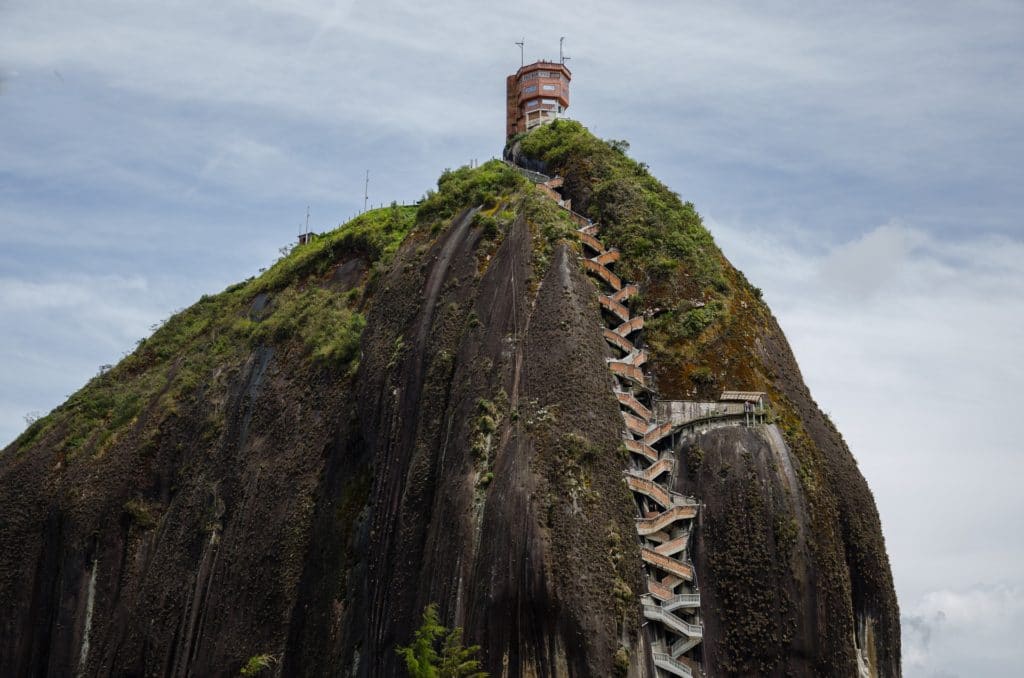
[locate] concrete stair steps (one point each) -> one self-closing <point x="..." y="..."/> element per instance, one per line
<point x="551" y="193"/>
<point x="627" y="292"/>
<point x="665" y="662"/>
<point x="695" y="668"/>
<point x="592" y="242"/>
<point x="665" y="498"/>
<point x="663" y="465"/>
<point x="668" y="598"/>
<point x="613" y="307"/>
<point x="630" y="401"/>
<point x="666" y="564"/>
<point x="655" y="612"/>
<point x="603" y="273"/>
<point x="659" y="590"/>
<point x="608" y="257"/>
<point x="659" y="537"/>
<point x="688" y="601"/>
<point x="632" y="325"/>
<point x="643" y="449"/>
<point x="685" y="644"/>
<point x="635" y="424"/>
<point x="637" y="356"/>
<point x="657" y="433"/>
<point x="618" y="341"/>
<point x="671" y="581"/>
<point x="631" y="372"/>
<point x="673" y="546"/>
<point x="661" y="599"/>
<point x="657" y="523"/>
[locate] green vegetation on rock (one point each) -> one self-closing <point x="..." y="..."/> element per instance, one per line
<point x="436" y="652"/>
<point x="655" y="230"/>
<point x="691" y="296"/>
<point x="171" y="419"/>
<point x="257" y="664"/>
<point x="295" y="305"/>
<point x="375" y="235"/>
<point x="708" y="330"/>
<point x="466" y="187"/>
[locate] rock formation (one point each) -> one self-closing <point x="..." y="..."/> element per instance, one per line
<point x="419" y="408"/>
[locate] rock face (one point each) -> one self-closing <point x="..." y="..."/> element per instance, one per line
<point x="416" y="409"/>
<point x="474" y="514"/>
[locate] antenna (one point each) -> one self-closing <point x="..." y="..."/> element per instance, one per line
<point x="561" y="55"/>
<point x="522" y="57"/>
<point x="366" y="190"/>
<point x="307" y="220"/>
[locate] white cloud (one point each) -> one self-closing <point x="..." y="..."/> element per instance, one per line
<point x="985" y="619"/>
<point x="25" y="295"/>
<point x="915" y="345"/>
<point x="58" y="332"/>
<point x="860" y="163"/>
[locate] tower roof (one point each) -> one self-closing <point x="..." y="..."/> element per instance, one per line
<point x="543" y="65"/>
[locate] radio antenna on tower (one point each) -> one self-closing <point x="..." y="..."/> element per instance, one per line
<point x="522" y="56"/>
<point x="366" y="190"/>
<point x="561" y="55"/>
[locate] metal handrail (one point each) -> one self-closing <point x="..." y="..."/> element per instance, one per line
<point x="672" y="621"/>
<point x="684" y="644"/>
<point x="529" y="174"/>
<point x="665" y="658"/>
<point x="681" y="600"/>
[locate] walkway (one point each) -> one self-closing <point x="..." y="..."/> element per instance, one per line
<point x="665" y="519"/>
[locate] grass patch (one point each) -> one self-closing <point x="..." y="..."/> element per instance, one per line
<point x="374" y="235"/>
<point x="196" y="348"/>
<point x="700" y="312"/>
<point x="257" y="664"/>
<point x="482" y="186"/>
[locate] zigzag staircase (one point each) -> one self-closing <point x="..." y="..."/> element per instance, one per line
<point x="665" y="518"/>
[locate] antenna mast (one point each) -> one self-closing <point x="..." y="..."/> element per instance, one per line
<point x="307" y="220"/>
<point x="561" y="54"/>
<point x="522" y="57"/>
<point x="366" y="190"/>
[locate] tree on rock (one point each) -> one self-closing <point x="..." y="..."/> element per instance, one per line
<point x="436" y="652"/>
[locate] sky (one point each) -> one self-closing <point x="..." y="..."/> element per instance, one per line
<point x="861" y="162"/>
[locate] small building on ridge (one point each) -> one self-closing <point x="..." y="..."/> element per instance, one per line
<point x="536" y="94"/>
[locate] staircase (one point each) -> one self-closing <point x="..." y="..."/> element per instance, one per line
<point x="665" y="518"/>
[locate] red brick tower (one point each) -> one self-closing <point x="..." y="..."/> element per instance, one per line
<point x="537" y="93"/>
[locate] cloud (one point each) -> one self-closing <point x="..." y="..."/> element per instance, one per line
<point x="58" y="331"/>
<point x="778" y="108"/>
<point x="908" y="339"/>
<point x="24" y="295"/>
<point x="861" y="162"/>
<point x="918" y="628"/>
<point x="871" y="264"/>
<point x="982" y="618"/>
